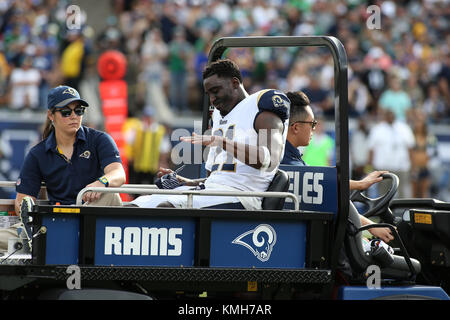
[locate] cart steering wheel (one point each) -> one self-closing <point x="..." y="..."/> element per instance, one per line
<point x="379" y="206"/>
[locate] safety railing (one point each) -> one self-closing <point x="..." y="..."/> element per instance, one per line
<point x="153" y="189"/>
<point x="140" y="186"/>
<point x="12" y="184"/>
<point x="189" y="193"/>
<point x="8" y="184"/>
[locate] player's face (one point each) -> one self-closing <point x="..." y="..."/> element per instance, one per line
<point x="221" y="92"/>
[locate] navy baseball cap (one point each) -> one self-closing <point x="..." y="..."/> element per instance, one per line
<point x="61" y="96"/>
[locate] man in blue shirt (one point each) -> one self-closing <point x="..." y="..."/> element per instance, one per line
<point x="301" y="128"/>
<point x="300" y="132"/>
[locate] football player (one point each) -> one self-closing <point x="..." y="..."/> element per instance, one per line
<point x="246" y="145"/>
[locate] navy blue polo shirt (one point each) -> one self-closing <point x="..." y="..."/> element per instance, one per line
<point x="64" y="178"/>
<point x="292" y="156"/>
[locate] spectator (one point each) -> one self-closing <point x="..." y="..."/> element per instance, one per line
<point x="4" y="74"/>
<point x="377" y="56"/>
<point x="443" y="77"/>
<point x="244" y="58"/>
<point x="422" y="152"/>
<point x="358" y="97"/>
<point x="73" y="58"/>
<point x="416" y="51"/>
<point x="395" y="99"/>
<point x="44" y="63"/>
<point x="403" y="53"/>
<point x="374" y="77"/>
<point x="168" y="21"/>
<point x="359" y="150"/>
<point x="202" y="47"/>
<point x="207" y="20"/>
<point x="25" y="82"/>
<point x="241" y="19"/>
<point x="319" y="97"/>
<point x="180" y="53"/>
<point x="354" y="56"/>
<point x="112" y="37"/>
<point x="263" y="15"/>
<point x="390" y="143"/>
<point x="15" y="43"/>
<point x="434" y="104"/>
<point x="154" y="52"/>
<point x="150" y="147"/>
<point x="414" y="90"/>
<point x="298" y="78"/>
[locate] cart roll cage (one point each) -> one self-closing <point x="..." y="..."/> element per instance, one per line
<point x="341" y="128"/>
<point x="340" y="105"/>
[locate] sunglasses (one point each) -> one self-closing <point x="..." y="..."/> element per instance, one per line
<point x="66" y="112"/>
<point x="312" y="123"/>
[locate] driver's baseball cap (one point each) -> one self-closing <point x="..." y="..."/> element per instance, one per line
<point x="61" y="96"/>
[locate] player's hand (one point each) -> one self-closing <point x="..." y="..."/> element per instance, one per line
<point x="162" y="171"/>
<point x="205" y="140"/>
<point x="93" y="196"/>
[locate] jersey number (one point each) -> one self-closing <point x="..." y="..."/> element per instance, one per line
<point x="229" y="164"/>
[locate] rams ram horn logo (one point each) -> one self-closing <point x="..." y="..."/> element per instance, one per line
<point x="70" y="91"/>
<point x="277" y="101"/>
<point x="259" y="241"/>
<point x="85" y="154"/>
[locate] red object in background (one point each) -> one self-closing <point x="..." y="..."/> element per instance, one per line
<point x="112" y="67"/>
<point x="114" y="96"/>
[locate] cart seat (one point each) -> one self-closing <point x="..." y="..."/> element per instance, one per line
<point x="280" y="183"/>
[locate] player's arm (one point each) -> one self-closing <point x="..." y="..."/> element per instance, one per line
<point x="270" y="135"/>
<point x="273" y="108"/>
<point x="265" y="153"/>
<point x="191" y="182"/>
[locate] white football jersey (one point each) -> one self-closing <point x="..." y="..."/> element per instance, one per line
<point x="238" y="125"/>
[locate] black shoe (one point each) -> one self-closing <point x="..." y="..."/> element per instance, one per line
<point x="25" y="208"/>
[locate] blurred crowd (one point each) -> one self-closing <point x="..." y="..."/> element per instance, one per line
<point x="403" y="66"/>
